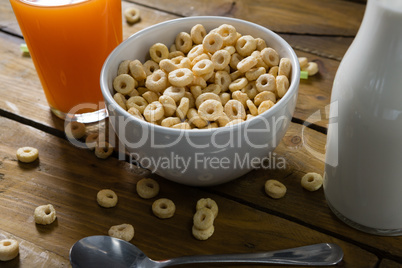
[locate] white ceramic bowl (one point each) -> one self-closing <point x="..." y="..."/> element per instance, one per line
<point x="199" y="157"/>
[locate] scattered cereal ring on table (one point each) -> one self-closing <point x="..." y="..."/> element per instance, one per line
<point x="203" y="218"/>
<point x="209" y="204"/>
<point x="45" y="214"/>
<point x="163" y="208"/>
<point x="203" y="234"/>
<point x="9" y="249"/>
<point x="312" y="181"/>
<point x="122" y="231"/>
<point x="132" y="15"/>
<point x="275" y="189"/>
<point x="147" y="188"/>
<point x="107" y="198"/>
<point x="103" y="150"/>
<point x="27" y="154"/>
<point x="75" y="130"/>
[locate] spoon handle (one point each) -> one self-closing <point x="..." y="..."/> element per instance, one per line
<point x="323" y="254"/>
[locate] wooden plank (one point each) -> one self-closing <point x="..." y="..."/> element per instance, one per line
<point x="59" y="177"/>
<point x="315" y="17"/>
<point x="389" y="264"/>
<point x="302" y="149"/>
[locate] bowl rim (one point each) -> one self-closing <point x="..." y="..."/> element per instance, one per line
<point x="293" y="89"/>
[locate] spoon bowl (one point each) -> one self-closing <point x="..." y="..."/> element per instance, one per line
<point x="105" y="251"/>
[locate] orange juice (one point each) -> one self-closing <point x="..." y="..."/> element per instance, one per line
<point x="68" y="41"/>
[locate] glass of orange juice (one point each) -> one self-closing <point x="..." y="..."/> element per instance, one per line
<point x="68" y="41"/>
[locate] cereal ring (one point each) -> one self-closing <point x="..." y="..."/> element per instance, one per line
<point x="106" y="198"/>
<point x="230" y="49"/>
<point x="198" y="33"/>
<point x="45" y="214"/>
<point x="264" y="106"/>
<point x="120" y="100"/>
<point x="251" y="107"/>
<point x="250" y="116"/>
<point x="135" y="112"/>
<point x="203" y="218"/>
<point x="122" y="231"/>
<point x="266" y="82"/>
<point x="191" y="100"/>
<point x="228" y="34"/>
<point x="196" y="91"/>
<point x="250" y="90"/>
<point x="27" y="154"/>
<point x="123" y="67"/>
<point x="163" y="208"/>
<point x="209" y="204"/>
<point x="132" y="15"/>
<point x="311" y="68"/>
<point x="275" y="189"/>
<point x="170" y="121"/>
<point x="168" y="65"/>
<point x="222" y="78"/>
<point x="220" y="59"/>
<point x="210" y="110"/>
<point x="282" y="85"/>
<point x="150" y="67"/>
<point x="183" y="42"/>
<point x="195" y="119"/>
<point x="303" y="61"/>
<point x="203" y="67"/>
<point x="184" y="125"/>
<point x="91" y="140"/>
<point x="270" y="56"/>
<point x="183" y="107"/>
<point x="285" y="66"/>
<point x="133" y="93"/>
<point x="223" y="120"/>
<point x="246" y="64"/>
<point x="264" y="96"/>
<point x="75" y="130"/>
<point x="157" y="81"/>
<point x="240" y="96"/>
<point x="238" y="84"/>
<point x="274" y="70"/>
<point x="206" y="96"/>
<point x="154" y="111"/>
<point x="158" y="52"/>
<point x="181" y="77"/>
<point x="245" y="45"/>
<point x="254" y="73"/>
<point x="174" y="54"/>
<point x="103" y="150"/>
<point x="169" y="104"/>
<point x="235" y="110"/>
<point x="195" y="52"/>
<point x="234" y="60"/>
<point x="124" y="83"/>
<point x="203" y="234"/>
<point x="147" y="188"/>
<point x="150" y="96"/>
<point x="176" y="93"/>
<point x="260" y="62"/>
<point x="203" y="56"/>
<point x="212" y="42"/>
<point x="9" y="249"/>
<point x="260" y="43"/>
<point x="312" y="181"/>
<point x="137" y="70"/>
<point x="138" y="102"/>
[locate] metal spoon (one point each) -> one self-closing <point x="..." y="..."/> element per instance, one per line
<point x="106" y="251"/>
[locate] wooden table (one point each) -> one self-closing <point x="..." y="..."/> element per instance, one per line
<point x="248" y="220"/>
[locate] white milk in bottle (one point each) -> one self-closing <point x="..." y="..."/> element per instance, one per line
<point x="363" y="171"/>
